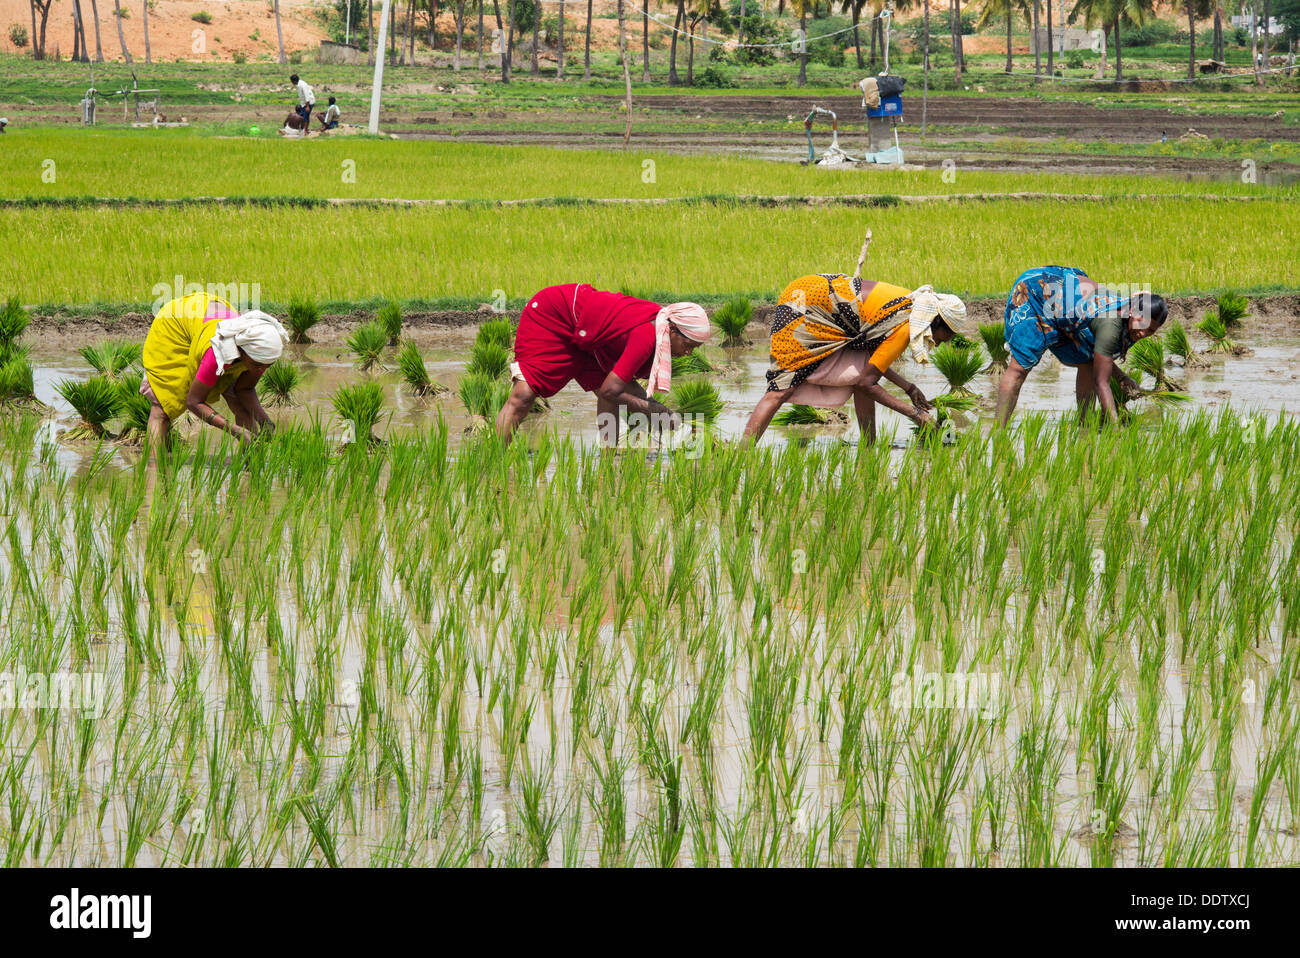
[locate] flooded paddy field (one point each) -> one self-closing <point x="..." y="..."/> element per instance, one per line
<point x="1042" y="647"/>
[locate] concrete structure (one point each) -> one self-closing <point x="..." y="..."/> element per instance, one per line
<point x="331" y="52"/>
<point x="1065" y="39"/>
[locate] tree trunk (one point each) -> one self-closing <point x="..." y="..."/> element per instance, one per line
<point x="1008" y="40"/>
<point x="627" y="76"/>
<point x="957" y="49"/>
<point x="1038" y="47"/>
<point x="559" y="60"/>
<point x="121" y="37"/>
<point x="279" y="33"/>
<point x="672" y="54"/>
<point x="857" y="42"/>
<point x="37" y="52"/>
<point x="645" y="41"/>
<point x="740" y="32"/>
<point x="94" y="12"/>
<point x="1267" y="13"/>
<point x="1218" y="33"/>
<point x="480" y="35"/>
<point x="690" y="53"/>
<point x="1051" y="62"/>
<point x="1191" y="46"/>
<point x="1119" y="53"/>
<point x="370" y="33"/>
<point x="144" y="16"/>
<point x="586" y="53"/>
<point x="872" y="60"/>
<point x="510" y="40"/>
<point x="77" y="32"/>
<point x="537" y="25"/>
<point x="803" y="45"/>
<point x="460" y="32"/>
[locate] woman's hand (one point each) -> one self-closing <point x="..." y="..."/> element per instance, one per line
<point x="1130" y="388"/>
<point x="918" y="398"/>
<point x="925" y="421"/>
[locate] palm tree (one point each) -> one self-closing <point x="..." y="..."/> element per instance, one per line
<point x="958" y="51"/>
<point x="672" y="55"/>
<point x="802" y="7"/>
<point x="854" y="8"/>
<point x="586" y="55"/>
<point x="1050" y="66"/>
<point x="1038" y="47"/>
<point x="1109" y="15"/>
<point x="645" y="41"/>
<point x="559" y="53"/>
<point x="121" y="37"/>
<point x="94" y="12"/>
<point x="997" y="10"/>
<point x="1196" y="9"/>
<point x="144" y="11"/>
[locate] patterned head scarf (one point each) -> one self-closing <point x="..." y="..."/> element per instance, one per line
<point x="927" y="306"/>
<point x="692" y="322"/>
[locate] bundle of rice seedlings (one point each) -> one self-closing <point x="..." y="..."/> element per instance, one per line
<point x="691" y="364"/>
<point x="499" y="331"/>
<point x="489" y="358"/>
<point x="96" y="400"/>
<point x="1217" y="331"/>
<point x="483" y="395"/>
<point x="800" y="415"/>
<point x="1158" y="397"/>
<point x="303" y="315"/>
<point x="1179" y="345"/>
<point x="697" y="398"/>
<point x="1232" y="309"/>
<point x="13" y="321"/>
<point x="367" y="342"/>
<point x="411" y="365"/>
<point x="732" y="318"/>
<point x="958" y="364"/>
<point x="133" y="408"/>
<point x="17" y="383"/>
<point x="360" y="404"/>
<point x="1146" y="357"/>
<point x="994" y="336"/>
<point x="945" y="407"/>
<point x="279" y="381"/>
<point x="390" y="317"/>
<point x="112" y="357"/>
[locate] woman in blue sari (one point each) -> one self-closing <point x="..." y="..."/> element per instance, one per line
<point x="1089" y="327"/>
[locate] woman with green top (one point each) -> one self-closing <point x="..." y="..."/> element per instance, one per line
<point x="1086" y="326"/>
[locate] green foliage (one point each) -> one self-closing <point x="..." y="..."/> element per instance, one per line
<point x="303" y="315"/>
<point x="1232" y="309"/>
<point x="1177" y="341"/>
<point x="201" y="17"/>
<point x="390" y="317"/>
<point x="360" y="404"/>
<point x="692" y="364"/>
<point x="367" y="343"/>
<point x="1217" y="331"/>
<point x="1146" y="357"/>
<point x="800" y="415"/>
<point x="499" y="331"/>
<point x="994" y="337"/>
<point x="712" y="78"/>
<point x="278" y="383"/>
<point x="133" y="407"/>
<point x="17" y="381"/>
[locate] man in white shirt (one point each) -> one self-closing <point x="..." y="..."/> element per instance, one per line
<point x="330" y="119"/>
<point x="306" y="99"/>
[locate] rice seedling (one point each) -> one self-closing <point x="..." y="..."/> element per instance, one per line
<point x="499" y="331"/>
<point x="17" y="381"/>
<point x="279" y="382"/>
<point x="1232" y="309"/>
<point x="733" y="318"/>
<point x="994" y="337"/>
<point x="1146" y="357"/>
<point x="13" y="321"/>
<point x="96" y="401"/>
<point x="488" y="358"/>
<point x="360" y="404"/>
<point x="112" y="357"/>
<point x="390" y="317"/>
<point x="133" y="407"/>
<point x="483" y="395"/>
<point x="414" y="373"/>
<point x="695" y="398"/>
<point x="303" y="314"/>
<point x="1179" y="346"/>
<point x="800" y="415"/>
<point x="692" y="364"/>
<point x="958" y="364"/>
<point x="367" y="343"/>
<point x="1217" y="331"/>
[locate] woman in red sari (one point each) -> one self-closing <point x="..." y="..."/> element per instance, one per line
<point x="604" y="341"/>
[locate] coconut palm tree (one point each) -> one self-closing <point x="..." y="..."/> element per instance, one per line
<point x="121" y="37"/>
<point x="279" y="33"/>
<point x="586" y="54"/>
<point x="854" y="9"/>
<point x="1196" y="10"/>
<point x="144" y="15"/>
<point x="995" y="10"/>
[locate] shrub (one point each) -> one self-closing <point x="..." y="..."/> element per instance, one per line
<point x="1075" y="60"/>
<point x="18" y="35"/>
<point x="713" y="78"/>
<point x="201" y="17"/>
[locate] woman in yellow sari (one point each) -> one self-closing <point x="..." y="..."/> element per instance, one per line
<point x="198" y="349"/>
<point x="835" y="336"/>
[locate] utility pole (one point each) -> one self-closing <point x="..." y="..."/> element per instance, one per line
<point x="379" y="69"/>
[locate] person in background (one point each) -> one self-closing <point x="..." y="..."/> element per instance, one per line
<point x="306" y="99"/>
<point x="4" y="122"/>
<point x="1089" y="327"/>
<point x="330" y="119"/>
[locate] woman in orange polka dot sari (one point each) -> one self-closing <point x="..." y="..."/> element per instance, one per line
<point x="835" y="336"/>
